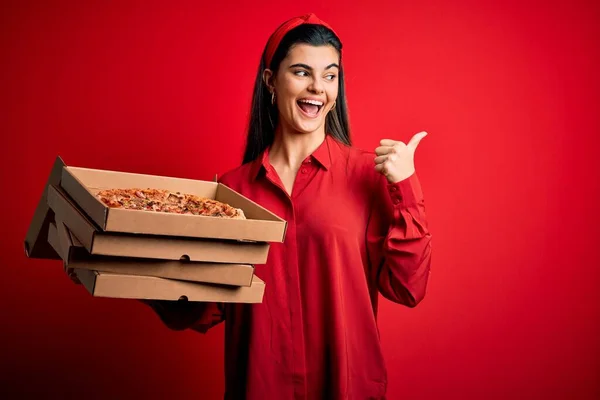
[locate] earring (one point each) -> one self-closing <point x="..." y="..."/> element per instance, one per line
<point x="273" y="98"/>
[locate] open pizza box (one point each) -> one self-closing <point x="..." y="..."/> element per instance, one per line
<point x="76" y="256"/>
<point x="82" y="185"/>
<point x="236" y="241"/>
<point x="97" y="242"/>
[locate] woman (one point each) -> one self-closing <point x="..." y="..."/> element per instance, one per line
<point x="356" y="228"/>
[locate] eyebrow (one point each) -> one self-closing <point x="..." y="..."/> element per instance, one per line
<point x="310" y="68"/>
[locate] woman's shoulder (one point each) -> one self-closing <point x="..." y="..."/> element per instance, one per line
<point x="237" y="176"/>
<point x="363" y="160"/>
<point x="361" y="155"/>
<point x="352" y="152"/>
<point x="358" y="165"/>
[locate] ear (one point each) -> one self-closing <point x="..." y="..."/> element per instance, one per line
<point x="269" y="79"/>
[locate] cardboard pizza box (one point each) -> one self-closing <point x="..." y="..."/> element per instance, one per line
<point x="56" y="243"/>
<point x="76" y="256"/>
<point x="97" y="242"/>
<point x="36" y="241"/>
<point x="82" y="184"/>
<point x="107" y="284"/>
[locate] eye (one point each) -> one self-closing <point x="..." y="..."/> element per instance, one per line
<point x="330" y="77"/>
<point x="301" y="73"/>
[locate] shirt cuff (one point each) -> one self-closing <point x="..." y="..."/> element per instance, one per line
<point x="406" y="193"/>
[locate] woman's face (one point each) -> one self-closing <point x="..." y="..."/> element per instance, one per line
<point x="306" y="86"/>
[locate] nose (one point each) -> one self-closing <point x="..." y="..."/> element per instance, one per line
<point x="316" y="86"/>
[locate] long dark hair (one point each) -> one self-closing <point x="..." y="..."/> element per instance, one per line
<point x="264" y="116"/>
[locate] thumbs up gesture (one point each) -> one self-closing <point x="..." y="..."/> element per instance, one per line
<point x="396" y="160"/>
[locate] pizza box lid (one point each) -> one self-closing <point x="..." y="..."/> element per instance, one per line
<point x="81" y="184"/>
<point x="36" y="240"/>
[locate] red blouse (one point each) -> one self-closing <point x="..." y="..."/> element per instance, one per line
<point x="350" y="236"/>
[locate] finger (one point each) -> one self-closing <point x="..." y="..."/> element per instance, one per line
<point x="414" y="142"/>
<point x="380" y="167"/>
<point x="383" y="168"/>
<point x="387" y="157"/>
<point x="381" y="159"/>
<point x="383" y="150"/>
<point x="388" y="142"/>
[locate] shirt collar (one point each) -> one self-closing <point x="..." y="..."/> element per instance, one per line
<point x="324" y="155"/>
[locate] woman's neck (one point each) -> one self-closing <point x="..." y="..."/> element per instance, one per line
<point x="289" y="149"/>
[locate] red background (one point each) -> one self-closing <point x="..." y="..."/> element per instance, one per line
<point x="508" y="93"/>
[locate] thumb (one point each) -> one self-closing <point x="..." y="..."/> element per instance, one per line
<point x="415" y="140"/>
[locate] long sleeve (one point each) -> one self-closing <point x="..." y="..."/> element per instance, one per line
<point x="180" y="315"/>
<point x="398" y="241"/>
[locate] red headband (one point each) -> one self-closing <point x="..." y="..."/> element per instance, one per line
<point x="287" y="26"/>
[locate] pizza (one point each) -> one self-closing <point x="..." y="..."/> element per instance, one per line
<point x="161" y="200"/>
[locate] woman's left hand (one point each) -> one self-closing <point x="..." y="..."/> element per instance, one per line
<point x="396" y="160"/>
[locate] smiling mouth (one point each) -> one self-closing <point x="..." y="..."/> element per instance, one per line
<point x="310" y="108"/>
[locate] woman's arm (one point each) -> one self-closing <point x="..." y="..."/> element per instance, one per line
<point x="398" y="241"/>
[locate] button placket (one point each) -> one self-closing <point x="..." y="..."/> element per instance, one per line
<point x="305" y="174"/>
<point x="294" y="300"/>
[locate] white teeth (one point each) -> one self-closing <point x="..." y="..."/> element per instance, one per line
<point x="313" y="102"/>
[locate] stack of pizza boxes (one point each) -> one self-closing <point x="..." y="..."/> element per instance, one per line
<point x="122" y="253"/>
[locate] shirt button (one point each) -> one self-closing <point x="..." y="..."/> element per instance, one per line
<point x="394" y="188"/>
<point x="304" y="170"/>
<point x="396" y="201"/>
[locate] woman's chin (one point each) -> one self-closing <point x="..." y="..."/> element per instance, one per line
<point x="304" y="126"/>
<point x="306" y="130"/>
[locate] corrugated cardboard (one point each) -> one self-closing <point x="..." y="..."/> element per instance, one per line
<point x="36" y="241"/>
<point x="82" y="184"/>
<point x="97" y="242"/>
<point x="106" y="284"/>
<point x="75" y="256"/>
